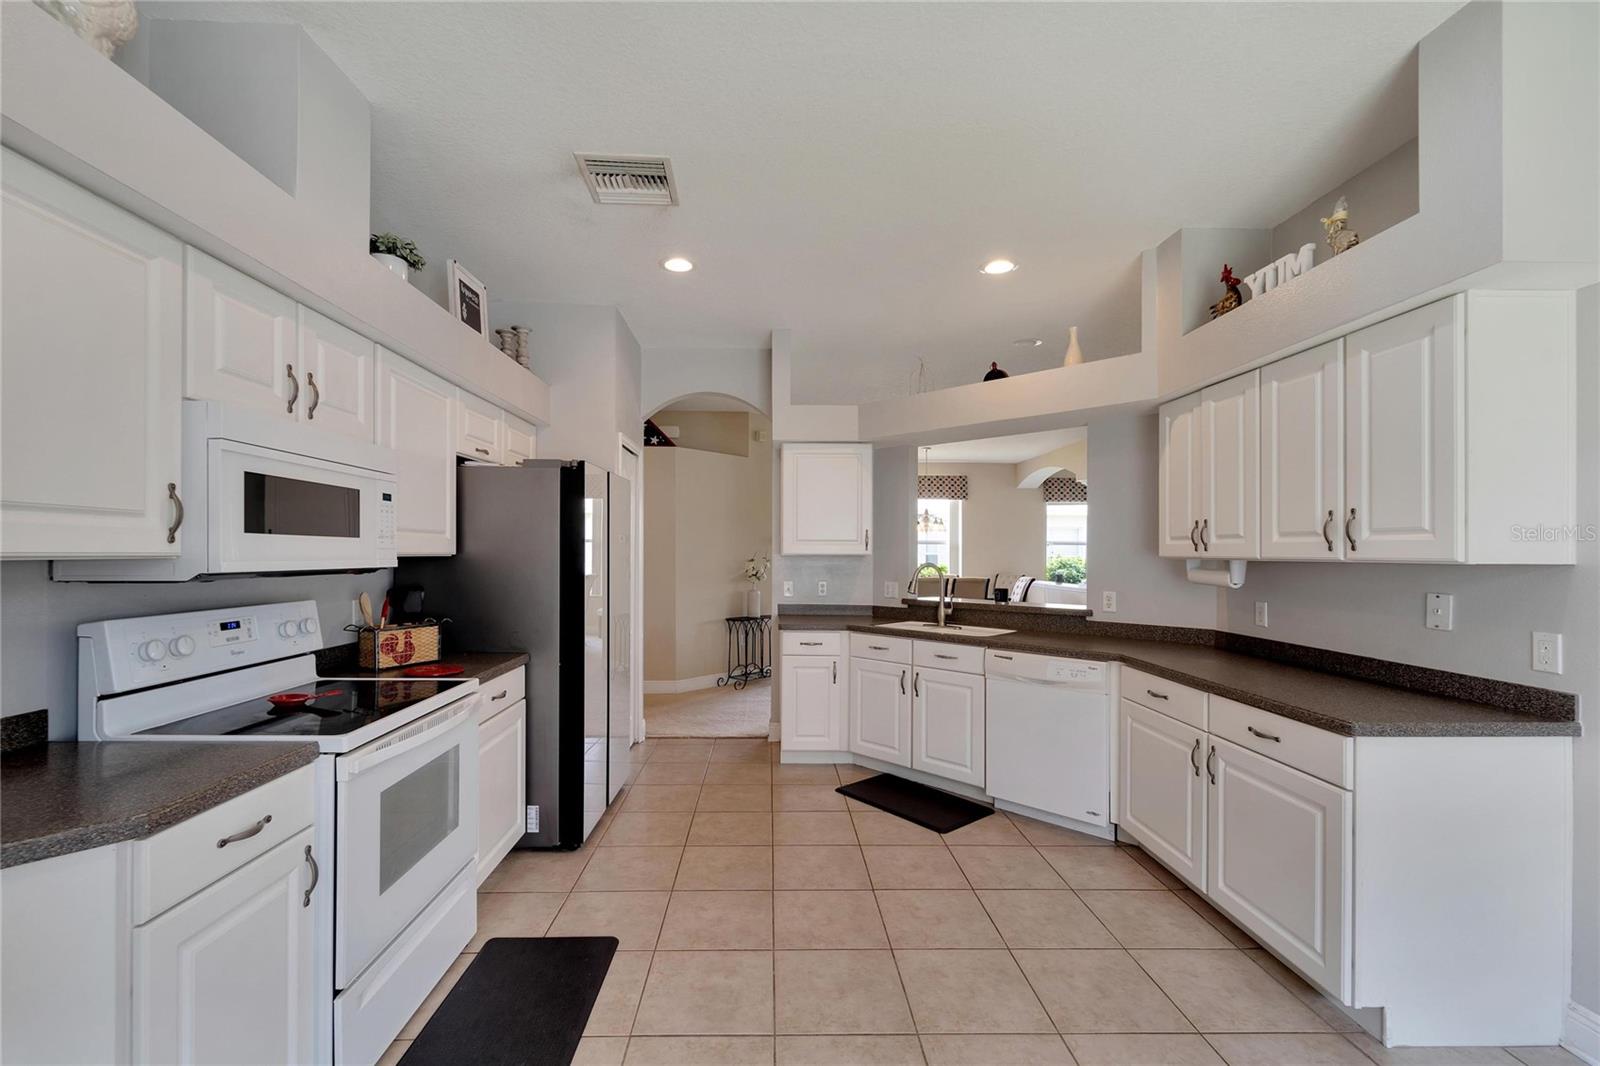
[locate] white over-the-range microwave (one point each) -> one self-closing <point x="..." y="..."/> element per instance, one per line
<point x="265" y="495"/>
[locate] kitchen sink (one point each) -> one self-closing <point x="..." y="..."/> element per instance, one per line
<point x="953" y="630"/>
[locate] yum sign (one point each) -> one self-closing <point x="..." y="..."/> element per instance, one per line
<point x="1281" y="271"/>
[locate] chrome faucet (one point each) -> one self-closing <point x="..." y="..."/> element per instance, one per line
<point x="943" y="610"/>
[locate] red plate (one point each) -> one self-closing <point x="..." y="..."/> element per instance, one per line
<point x="290" y="699"/>
<point x="434" y="670"/>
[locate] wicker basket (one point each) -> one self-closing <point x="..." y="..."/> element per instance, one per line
<point x="381" y="649"/>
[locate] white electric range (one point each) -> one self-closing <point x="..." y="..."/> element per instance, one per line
<point x="397" y="790"/>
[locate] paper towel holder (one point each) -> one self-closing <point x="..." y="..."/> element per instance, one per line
<point x="1230" y="578"/>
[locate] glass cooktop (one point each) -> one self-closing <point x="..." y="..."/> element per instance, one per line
<point x="318" y="708"/>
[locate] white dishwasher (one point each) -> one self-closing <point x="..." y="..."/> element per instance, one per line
<point x="1049" y="742"/>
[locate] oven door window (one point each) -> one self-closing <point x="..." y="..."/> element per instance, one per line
<point x="416" y="814"/>
<point x="285" y="506"/>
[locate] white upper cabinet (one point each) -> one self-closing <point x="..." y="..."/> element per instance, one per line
<point x="520" y="442"/>
<point x="91" y="387"/>
<point x="1230" y="473"/>
<point x="826" y="502"/>
<point x="478" y="429"/>
<point x="1180" y="477"/>
<point x="240" y="338"/>
<point x="335" y="376"/>
<point x="416" y="417"/>
<point x="1302" y="455"/>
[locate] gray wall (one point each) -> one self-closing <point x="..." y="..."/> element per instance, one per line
<point x="1377" y="610"/>
<point x="1381" y="195"/>
<point x="894" y="492"/>
<point x="39" y="623"/>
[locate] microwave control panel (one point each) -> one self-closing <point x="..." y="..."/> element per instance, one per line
<point x="386" y="519"/>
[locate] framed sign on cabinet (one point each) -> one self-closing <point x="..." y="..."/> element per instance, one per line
<point x="469" y="300"/>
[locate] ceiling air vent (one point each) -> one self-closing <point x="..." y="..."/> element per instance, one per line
<point x="628" y="179"/>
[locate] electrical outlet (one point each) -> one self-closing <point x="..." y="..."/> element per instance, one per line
<point x="355" y="613"/>
<point x="822" y="588"/>
<point x="1547" y="653"/>
<point x="788" y="588"/>
<point x="1108" y="601"/>
<point x="1439" y="611"/>
<point x="889" y="590"/>
<point x="1261" y="613"/>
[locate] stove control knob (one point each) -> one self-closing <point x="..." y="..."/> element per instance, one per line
<point x="181" y="647"/>
<point x="308" y="626"/>
<point x="153" y="651"/>
<point x="287" y="629"/>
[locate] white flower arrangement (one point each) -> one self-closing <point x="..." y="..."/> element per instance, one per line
<point x="756" y="569"/>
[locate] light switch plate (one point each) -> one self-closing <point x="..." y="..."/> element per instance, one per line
<point x="1547" y="653"/>
<point x="1439" y="611"/>
<point x="788" y="588"/>
<point x="1261" y="613"/>
<point x="1108" y="601"/>
<point x="822" y="588"/>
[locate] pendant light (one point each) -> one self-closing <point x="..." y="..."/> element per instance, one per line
<point x="927" y="521"/>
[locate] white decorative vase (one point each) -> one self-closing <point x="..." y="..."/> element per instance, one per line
<point x="752" y="603"/>
<point x="1074" y="353"/>
<point x="395" y="264"/>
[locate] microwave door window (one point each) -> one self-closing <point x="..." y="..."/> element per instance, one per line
<point x="283" y="506"/>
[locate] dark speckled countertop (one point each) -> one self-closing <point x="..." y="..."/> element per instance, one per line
<point x="65" y="797"/>
<point x="1339" y="704"/>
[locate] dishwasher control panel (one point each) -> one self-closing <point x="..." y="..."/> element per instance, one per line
<point x="1052" y="669"/>
<point x="1074" y="670"/>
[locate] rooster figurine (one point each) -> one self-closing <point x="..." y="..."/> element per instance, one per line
<point x="1233" y="298"/>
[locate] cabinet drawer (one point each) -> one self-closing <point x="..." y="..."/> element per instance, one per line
<point x="506" y="689"/>
<point x="1304" y="747"/>
<point x="805" y="642"/>
<point x="1177" y="701"/>
<point x="937" y="655"/>
<point x="884" y="649"/>
<point x="178" y="862"/>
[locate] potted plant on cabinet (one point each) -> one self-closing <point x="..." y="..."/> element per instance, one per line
<point x="397" y="253"/>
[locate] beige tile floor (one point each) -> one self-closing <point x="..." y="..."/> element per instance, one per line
<point x="765" y="919"/>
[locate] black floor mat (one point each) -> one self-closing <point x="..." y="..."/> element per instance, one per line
<point x="928" y="807"/>
<point x="522" y="1002"/>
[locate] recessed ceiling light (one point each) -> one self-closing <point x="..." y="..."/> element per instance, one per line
<point x="999" y="266"/>
<point x="678" y="265"/>
<point x="1028" y="342"/>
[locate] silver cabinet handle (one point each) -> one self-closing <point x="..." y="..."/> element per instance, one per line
<point x="1153" y="694"/>
<point x="811" y="643"/>
<point x="1349" y="536"/>
<point x="500" y="695"/>
<point x="1194" y="532"/>
<point x="245" y="834"/>
<point x="177" y="512"/>
<point x="316" y="875"/>
<point x="866" y="536"/>
<point x="1007" y="658"/>
<point x="1253" y="731"/>
<point x="902" y="682"/>
<point x="916" y="681"/>
<point x="1327" y="524"/>
<point x="316" y="395"/>
<point x="878" y="647"/>
<point x="1205" y="545"/>
<point x="1211" y="758"/>
<point x="1194" y="757"/>
<point x="836" y="671"/>
<point x="481" y="451"/>
<point x="294" y="382"/>
<point x="937" y="655"/>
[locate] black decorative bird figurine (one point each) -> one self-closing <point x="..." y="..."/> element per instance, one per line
<point x="995" y="373"/>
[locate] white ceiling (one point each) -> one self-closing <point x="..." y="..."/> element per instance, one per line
<point x="845" y="168"/>
<point x="1014" y="449"/>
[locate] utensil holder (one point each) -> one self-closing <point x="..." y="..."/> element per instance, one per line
<point x="382" y="649"/>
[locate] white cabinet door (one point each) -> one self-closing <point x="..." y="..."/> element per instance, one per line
<point x="1280" y="861"/>
<point x="520" y="442"/>
<point x="336" y="379"/>
<point x="239" y="339"/>
<point x="501" y="784"/>
<point x="91" y="376"/>
<point x="416" y="418"/>
<point x="1163" y="802"/>
<point x="947" y="725"/>
<point x="227" y="976"/>
<point x="812" y="703"/>
<point x="1403" y="463"/>
<point x="1302" y="455"/>
<point x="1230" y="456"/>
<point x="477" y="428"/>
<point x="880" y="710"/>
<point x="826" y="503"/>
<point x="1179" y="488"/>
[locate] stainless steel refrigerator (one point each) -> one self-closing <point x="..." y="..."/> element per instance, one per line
<point x="542" y="565"/>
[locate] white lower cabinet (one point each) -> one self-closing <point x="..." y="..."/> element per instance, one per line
<point x="227" y="976"/>
<point x="880" y="710"/>
<point x="811" y="693"/>
<point x="502" y="784"/>
<point x="947" y="725"/>
<point x="1163" y="801"/>
<point x="1279" y="860"/>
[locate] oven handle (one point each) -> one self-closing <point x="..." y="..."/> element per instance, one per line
<point x="423" y="731"/>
